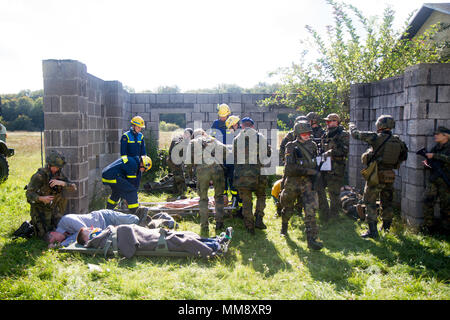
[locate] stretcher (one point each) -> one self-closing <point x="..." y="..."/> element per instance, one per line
<point x="111" y="249"/>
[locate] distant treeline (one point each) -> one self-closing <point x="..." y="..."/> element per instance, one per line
<point x="22" y="111"/>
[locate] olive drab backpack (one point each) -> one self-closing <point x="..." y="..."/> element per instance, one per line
<point x="394" y="152"/>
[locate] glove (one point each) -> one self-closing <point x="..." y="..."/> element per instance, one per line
<point x="327" y="154"/>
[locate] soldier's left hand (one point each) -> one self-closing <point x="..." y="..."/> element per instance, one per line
<point x="55" y="182"/>
<point x="429" y="155"/>
<point x="327" y="154"/>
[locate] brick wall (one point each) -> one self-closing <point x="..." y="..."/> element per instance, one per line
<point x="419" y="101"/>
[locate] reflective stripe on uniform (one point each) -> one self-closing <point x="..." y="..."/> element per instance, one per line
<point x="131" y="177"/>
<point x="109" y="181"/>
<point x="124" y="159"/>
<point x="134" y="205"/>
<point x="112" y="201"/>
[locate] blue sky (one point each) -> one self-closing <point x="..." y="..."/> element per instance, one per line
<point x="145" y="44"/>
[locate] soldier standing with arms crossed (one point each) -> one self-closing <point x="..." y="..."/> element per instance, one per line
<point x="335" y="144"/>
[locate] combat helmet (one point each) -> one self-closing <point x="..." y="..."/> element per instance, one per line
<point x="302" y="127"/>
<point x="385" y="121"/>
<point x="313" y="116"/>
<point x="55" y="159"/>
<point x="301" y="118"/>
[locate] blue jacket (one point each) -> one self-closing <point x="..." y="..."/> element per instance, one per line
<point x="220" y="132"/>
<point x="132" y="144"/>
<point x="118" y="170"/>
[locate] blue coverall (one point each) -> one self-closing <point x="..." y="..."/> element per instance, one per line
<point x="123" y="177"/>
<point x="132" y="144"/>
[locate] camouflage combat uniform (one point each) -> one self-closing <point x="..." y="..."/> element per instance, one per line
<point x="45" y="217"/>
<point x="437" y="188"/>
<point x="299" y="173"/>
<point x="389" y="157"/>
<point x="177" y="170"/>
<point x="248" y="177"/>
<point x="203" y="154"/>
<point x="337" y="140"/>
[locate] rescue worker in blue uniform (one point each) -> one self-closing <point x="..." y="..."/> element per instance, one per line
<point x="219" y="131"/>
<point x="132" y="143"/>
<point x="124" y="176"/>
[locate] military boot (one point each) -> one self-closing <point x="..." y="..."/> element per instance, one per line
<point x="372" y="232"/>
<point x="314" y="244"/>
<point x="386" y="225"/>
<point x="284" y="229"/>
<point x="259" y="224"/>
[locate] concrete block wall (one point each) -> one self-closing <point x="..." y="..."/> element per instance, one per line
<point x="419" y="101"/>
<point x="85" y="117"/>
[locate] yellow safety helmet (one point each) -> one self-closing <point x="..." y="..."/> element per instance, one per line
<point x="276" y="189"/>
<point x="231" y="121"/>
<point x="138" y="121"/>
<point x="224" y="110"/>
<point x="147" y="162"/>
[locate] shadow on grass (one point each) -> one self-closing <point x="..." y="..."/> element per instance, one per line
<point x="393" y="248"/>
<point x="16" y="256"/>
<point x="321" y="266"/>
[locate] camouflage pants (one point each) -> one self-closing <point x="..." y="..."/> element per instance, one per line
<point x="295" y="188"/>
<point x="206" y="174"/>
<point x="434" y="191"/>
<point x="386" y="193"/>
<point x="246" y="195"/>
<point x="179" y="185"/>
<point x="333" y="181"/>
<point x="51" y="218"/>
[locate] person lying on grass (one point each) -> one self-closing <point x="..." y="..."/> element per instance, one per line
<point x="132" y="238"/>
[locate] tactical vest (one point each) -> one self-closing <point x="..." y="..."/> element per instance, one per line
<point x="391" y="153"/>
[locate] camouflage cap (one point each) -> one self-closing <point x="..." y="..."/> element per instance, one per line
<point x="442" y="129"/>
<point x="333" y="117"/>
<point x="385" y="121"/>
<point x="55" y="159"/>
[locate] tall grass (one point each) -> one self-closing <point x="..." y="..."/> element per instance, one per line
<point x="400" y="265"/>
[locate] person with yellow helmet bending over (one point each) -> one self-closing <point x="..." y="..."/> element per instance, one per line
<point x="132" y="143"/>
<point x="124" y="178"/>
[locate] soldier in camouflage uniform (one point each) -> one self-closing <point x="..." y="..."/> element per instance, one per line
<point x="389" y="152"/>
<point x="207" y="154"/>
<point x="438" y="186"/>
<point x="247" y="173"/>
<point x="44" y="193"/>
<point x="317" y="130"/>
<point x="335" y="144"/>
<point x="176" y="169"/>
<point x="299" y="175"/>
<point x="290" y="136"/>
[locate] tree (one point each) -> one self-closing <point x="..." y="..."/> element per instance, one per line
<point x="346" y="58"/>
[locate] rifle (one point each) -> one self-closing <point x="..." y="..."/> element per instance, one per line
<point x="435" y="166"/>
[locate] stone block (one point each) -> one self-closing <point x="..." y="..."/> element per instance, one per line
<point x="59" y="121"/>
<point x="270" y="116"/>
<point x="420" y="127"/>
<point x="360" y="90"/>
<point x="417" y="75"/>
<point x="63" y="69"/>
<point x="138" y="108"/>
<point x="74" y="138"/>
<point x="142" y="98"/>
<point x="439" y="73"/>
<point x="420" y="94"/>
<point x="215" y="99"/>
<point x="176" y="98"/>
<point x="198" y="116"/>
<point x="202" y="98"/>
<point x="162" y="98"/>
<point x="209" y="108"/>
<point x="189" y="98"/>
<point x="235" y="98"/>
<point x="439" y="111"/>
<point x="257" y="116"/>
<point x="414" y="161"/>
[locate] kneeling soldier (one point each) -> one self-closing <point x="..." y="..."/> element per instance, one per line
<point x="44" y="193"/>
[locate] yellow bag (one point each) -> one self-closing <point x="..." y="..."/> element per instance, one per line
<point x="371" y="174"/>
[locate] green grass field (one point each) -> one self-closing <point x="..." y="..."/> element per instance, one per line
<point x="400" y="265"/>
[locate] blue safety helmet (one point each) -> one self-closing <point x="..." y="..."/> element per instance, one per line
<point x="247" y="119"/>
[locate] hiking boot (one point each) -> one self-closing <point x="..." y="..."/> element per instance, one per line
<point x="372" y="232"/>
<point x="314" y="244"/>
<point x="284" y="229"/>
<point x="259" y="224"/>
<point x="386" y="225"/>
<point x="226" y="236"/>
<point x="219" y="225"/>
